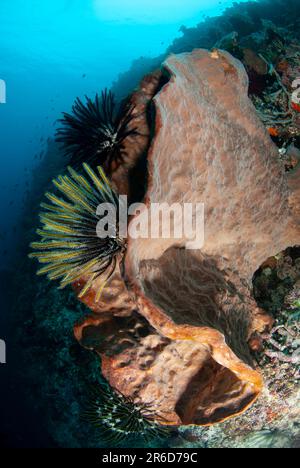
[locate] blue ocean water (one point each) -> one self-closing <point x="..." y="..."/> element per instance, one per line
<point x="55" y="50"/>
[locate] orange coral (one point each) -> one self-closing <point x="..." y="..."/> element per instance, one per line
<point x="296" y="106"/>
<point x="273" y="131"/>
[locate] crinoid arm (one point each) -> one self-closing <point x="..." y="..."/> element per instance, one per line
<point x="70" y="247"/>
<point x="95" y="130"/>
<point x="119" y="418"/>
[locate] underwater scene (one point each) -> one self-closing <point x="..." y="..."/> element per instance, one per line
<point x="150" y="224"/>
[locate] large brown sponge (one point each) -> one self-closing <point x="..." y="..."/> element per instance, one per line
<point x="181" y="340"/>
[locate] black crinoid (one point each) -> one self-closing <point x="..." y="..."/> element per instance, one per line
<point x="119" y="418"/>
<point x="70" y="247"/>
<point x="96" y="130"/>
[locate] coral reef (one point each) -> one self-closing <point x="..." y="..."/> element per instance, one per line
<point x="265" y="37"/>
<point x="55" y="371"/>
<point x="209" y="146"/>
<point x="247" y="20"/>
<point x="273" y="421"/>
<point x="275" y="105"/>
<point x="150" y="357"/>
<point x="276" y="287"/>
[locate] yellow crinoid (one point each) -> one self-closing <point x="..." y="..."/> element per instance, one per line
<point x="70" y="246"/>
